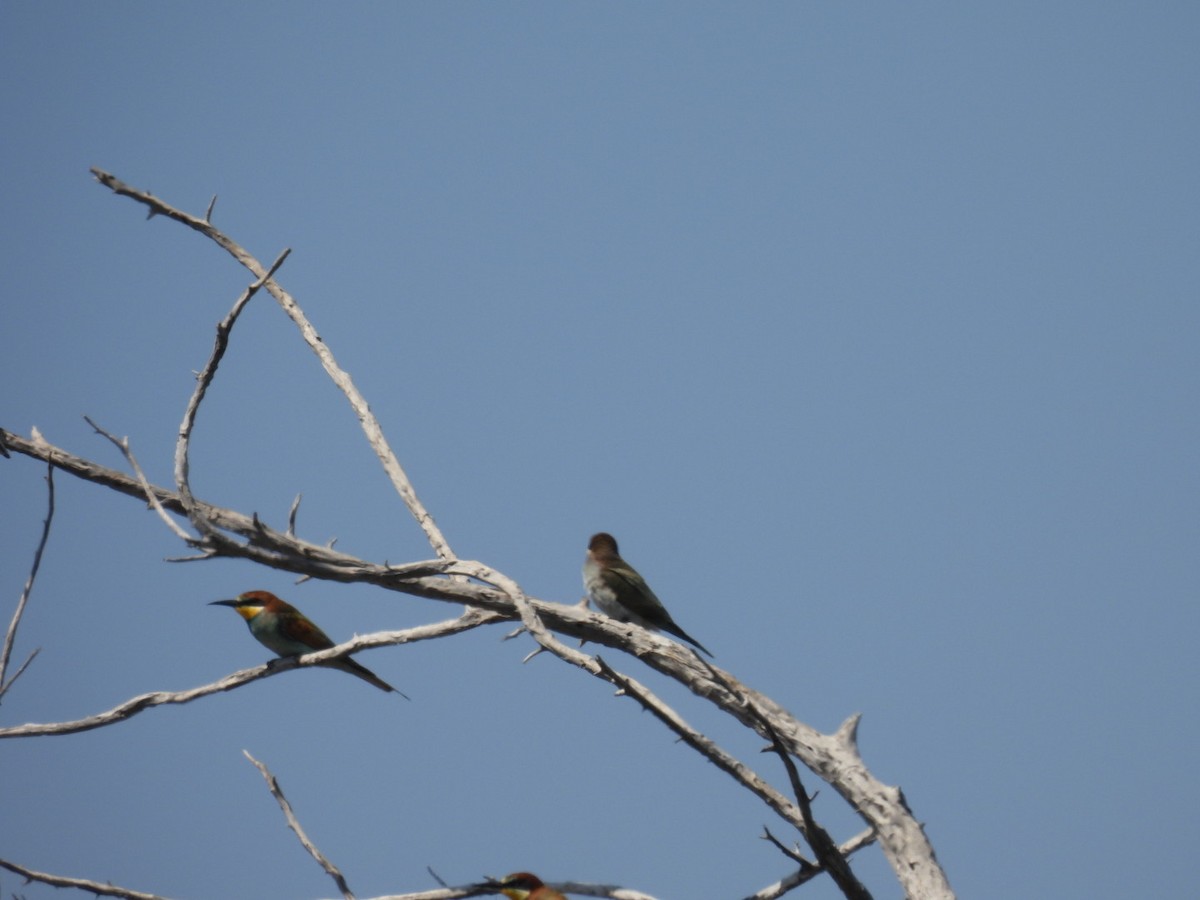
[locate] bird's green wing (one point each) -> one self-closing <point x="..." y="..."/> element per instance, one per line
<point x="634" y="594"/>
<point x="302" y="631"/>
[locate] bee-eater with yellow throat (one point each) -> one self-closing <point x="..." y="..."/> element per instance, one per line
<point x="524" y="886"/>
<point x="617" y="590"/>
<point x="281" y="627"/>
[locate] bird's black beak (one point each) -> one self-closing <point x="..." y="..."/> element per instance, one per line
<point x="232" y="603"/>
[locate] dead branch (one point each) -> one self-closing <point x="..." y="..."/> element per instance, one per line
<point x="212" y="540"/>
<point x="122" y="444"/>
<point x="11" y="635"/>
<point x="293" y="823"/>
<point x="358" y="403"/>
<point x="94" y="887"/>
<point x="828" y="855"/>
<point x="495" y="596"/>
<point x="834" y="757"/>
<point x="131" y="707"/>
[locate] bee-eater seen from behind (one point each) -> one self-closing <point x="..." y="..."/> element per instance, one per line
<point x="281" y="627"/>
<point x="524" y="886"/>
<point x="617" y="590"/>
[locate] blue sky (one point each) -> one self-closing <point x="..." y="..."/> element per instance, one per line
<point x="869" y="330"/>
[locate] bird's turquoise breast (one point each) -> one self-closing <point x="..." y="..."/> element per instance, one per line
<point x="269" y="636"/>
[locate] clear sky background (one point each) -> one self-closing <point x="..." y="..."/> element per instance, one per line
<point x="870" y="330"/>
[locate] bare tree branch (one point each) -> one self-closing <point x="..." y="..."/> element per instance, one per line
<point x="530" y="617"/>
<point x="793" y="853"/>
<point x="493" y="597"/>
<point x="265" y="545"/>
<point x="11" y="635"/>
<point x="469" y="620"/>
<point x="295" y="508"/>
<point x="828" y="855"/>
<point x="293" y="823"/>
<point x="21" y="668"/>
<point x="426" y="579"/>
<point x="724" y="761"/>
<point x="611" y="891"/>
<point x="807" y="871"/>
<point x="122" y="444"/>
<point x="835" y="757"/>
<point x="785" y="885"/>
<point x="474" y="890"/>
<point x="446" y="893"/>
<point x="800" y="816"/>
<point x="83" y="884"/>
<point x="362" y="410"/>
<point x="212" y="539"/>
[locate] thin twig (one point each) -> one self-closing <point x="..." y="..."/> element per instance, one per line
<point x="807" y="872"/>
<point x="719" y="757"/>
<point x="291" y="529"/>
<point x="21" y="669"/>
<point x="829" y="856"/>
<point x="293" y="823"/>
<point x="212" y="536"/>
<point x="792" y="853"/>
<point x="11" y="635"/>
<point x="83" y="884"/>
<point x="122" y="444"/>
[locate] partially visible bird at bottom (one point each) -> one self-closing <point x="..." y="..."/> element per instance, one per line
<point x="282" y="628"/>
<point x="617" y="590"/>
<point x="526" y="886"/>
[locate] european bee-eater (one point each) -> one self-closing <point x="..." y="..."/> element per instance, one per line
<point x="524" y="886"/>
<point x="281" y="627"/>
<point x="617" y="590"/>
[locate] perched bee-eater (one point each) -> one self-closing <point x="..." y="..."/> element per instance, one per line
<point x="281" y="627"/>
<point x="617" y="590"/>
<point x="524" y="886"/>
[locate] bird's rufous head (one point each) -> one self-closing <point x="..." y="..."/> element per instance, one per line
<point x="603" y="545"/>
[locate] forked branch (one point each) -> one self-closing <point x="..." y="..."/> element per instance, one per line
<point x="358" y="403"/>
<point x="494" y="596"/>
